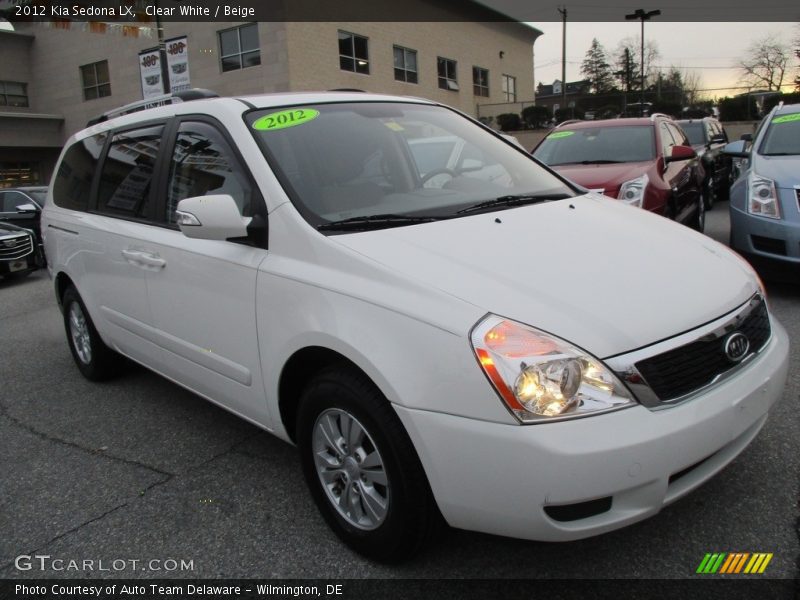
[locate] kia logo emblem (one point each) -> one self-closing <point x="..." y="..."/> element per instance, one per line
<point x="736" y="347"/>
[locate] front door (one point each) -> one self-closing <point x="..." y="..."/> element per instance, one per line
<point x="203" y="298"/>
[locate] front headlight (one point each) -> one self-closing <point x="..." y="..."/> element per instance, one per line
<point x="632" y="192"/>
<point x="541" y="377"/>
<point x="762" y="197"/>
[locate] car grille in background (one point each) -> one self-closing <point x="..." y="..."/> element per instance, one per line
<point x="15" y="247"/>
<point x="683" y="370"/>
<point x="769" y="245"/>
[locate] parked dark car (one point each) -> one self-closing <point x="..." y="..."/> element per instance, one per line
<point x="644" y="162"/>
<point x="19" y="254"/>
<point x="22" y="206"/>
<point x="708" y="138"/>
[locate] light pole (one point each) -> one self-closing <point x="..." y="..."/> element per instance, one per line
<point x="643" y="16"/>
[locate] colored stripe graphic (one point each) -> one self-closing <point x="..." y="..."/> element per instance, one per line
<point x="734" y="562"/>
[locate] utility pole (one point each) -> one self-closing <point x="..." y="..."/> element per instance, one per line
<point x="563" y="12"/>
<point x="643" y="16"/>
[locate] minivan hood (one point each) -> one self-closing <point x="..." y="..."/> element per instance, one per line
<point x="783" y="170"/>
<point x="602" y="275"/>
<point x="603" y="177"/>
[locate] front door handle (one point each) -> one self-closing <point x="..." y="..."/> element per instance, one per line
<point x="144" y="260"/>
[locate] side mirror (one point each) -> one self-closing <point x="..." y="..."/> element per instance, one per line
<point x="747" y="137"/>
<point x="680" y="153"/>
<point x="736" y="149"/>
<point x="214" y="217"/>
<point x="26" y="209"/>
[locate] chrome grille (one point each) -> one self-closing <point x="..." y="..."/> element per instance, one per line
<point x="681" y="371"/>
<point x="673" y="370"/>
<point x="15" y="247"/>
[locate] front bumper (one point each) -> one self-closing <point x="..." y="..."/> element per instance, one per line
<point x="768" y="240"/>
<point x="500" y="479"/>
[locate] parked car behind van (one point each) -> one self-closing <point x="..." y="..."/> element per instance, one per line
<point x="504" y="352"/>
<point x="765" y="199"/>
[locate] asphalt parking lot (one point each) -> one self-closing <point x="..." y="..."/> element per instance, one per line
<point x="137" y="469"/>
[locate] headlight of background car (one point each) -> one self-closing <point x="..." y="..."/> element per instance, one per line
<point x="541" y="377"/>
<point x="632" y="192"/>
<point x="762" y="197"/>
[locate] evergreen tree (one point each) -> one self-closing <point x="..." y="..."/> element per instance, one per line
<point x="596" y="69"/>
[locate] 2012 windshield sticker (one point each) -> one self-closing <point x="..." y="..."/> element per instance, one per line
<point x="787" y="118"/>
<point x="285" y="118"/>
<point x="560" y="134"/>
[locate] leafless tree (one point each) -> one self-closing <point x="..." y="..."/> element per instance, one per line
<point x="651" y="56"/>
<point x="765" y="64"/>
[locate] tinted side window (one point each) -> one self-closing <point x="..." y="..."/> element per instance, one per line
<point x="73" y="180"/>
<point x="127" y="172"/>
<point x="666" y="140"/>
<point x="678" y="135"/>
<point x="202" y="164"/>
<point x="11" y="200"/>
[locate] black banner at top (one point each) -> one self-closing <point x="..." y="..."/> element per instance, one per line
<point x="138" y="11"/>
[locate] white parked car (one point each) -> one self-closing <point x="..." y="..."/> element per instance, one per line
<point x="509" y="352"/>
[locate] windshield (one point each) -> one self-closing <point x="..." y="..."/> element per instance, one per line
<point x="597" y="145"/>
<point x="695" y="133"/>
<point x="782" y="136"/>
<point x="351" y="160"/>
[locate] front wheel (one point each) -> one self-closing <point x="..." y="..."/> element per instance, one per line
<point x="94" y="359"/>
<point x="710" y="191"/>
<point x="362" y="469"/>
<point x="699" y="219"/>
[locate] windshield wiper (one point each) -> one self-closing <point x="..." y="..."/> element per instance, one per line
<point x="779" y="154"/>
<point x="517" y="200"/>
<point x="367" y="222"/>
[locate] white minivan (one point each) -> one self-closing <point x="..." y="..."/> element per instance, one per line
<point x="511" y="353"/>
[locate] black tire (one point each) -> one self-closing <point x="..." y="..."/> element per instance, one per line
<point x="410" y="516"/>
<point x="699" y="219"/>
<point x="710" y="191"/>
<point x="94" y="359"/>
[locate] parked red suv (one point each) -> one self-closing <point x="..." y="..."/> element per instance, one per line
<point x="644" y="162"/>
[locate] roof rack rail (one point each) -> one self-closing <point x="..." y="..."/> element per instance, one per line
<point x="174" y="98"/>
<point x="568" y="122"/>
<point x="347" y="90"/>
<point x="654" y="115"/>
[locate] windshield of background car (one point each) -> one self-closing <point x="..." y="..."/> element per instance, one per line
<point x="782" y="136"/>
<point x="597" y="145"/>
<point x="350" y="160"/>
<point x="694" y="131"/>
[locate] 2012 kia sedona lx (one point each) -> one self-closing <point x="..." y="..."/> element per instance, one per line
<point x="481" y="340"/>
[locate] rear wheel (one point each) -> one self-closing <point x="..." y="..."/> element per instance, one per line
<point x="94" y="359"/>
<point x="362" y="469"/>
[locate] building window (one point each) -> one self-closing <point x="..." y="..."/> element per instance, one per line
<point x="239" y="47"/>
<point x="405" y="64"/>
<point x="13" y="93"/>
<point x="447" y="74"/>
<point x="509" y="88"/>
<point x="96" y="81"/>
<point x="480" y="81"/>
<point x="353" y="53"/>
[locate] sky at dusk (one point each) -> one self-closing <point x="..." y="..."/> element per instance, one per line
<point x="709" y="49"/>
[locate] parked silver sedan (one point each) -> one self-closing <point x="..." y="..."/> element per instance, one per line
<point x="765" y="199"/>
